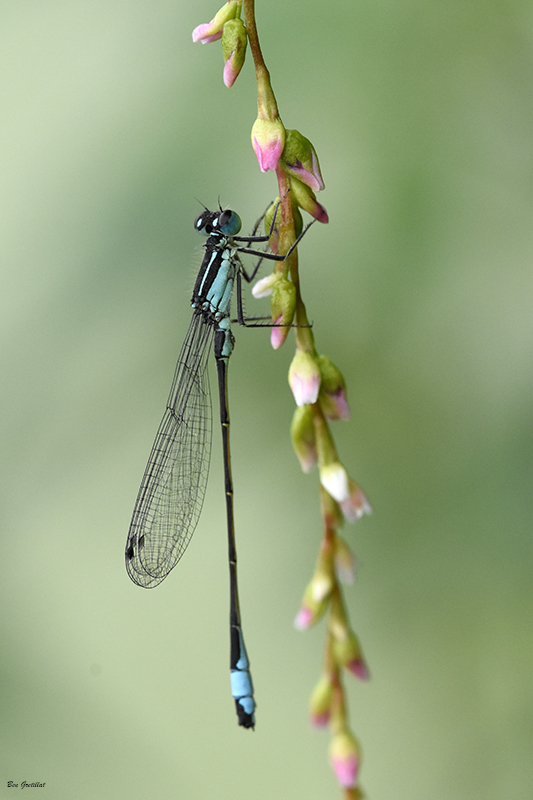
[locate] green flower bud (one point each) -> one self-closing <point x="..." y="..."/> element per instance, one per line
<point x="282" y="305"/>
<point x="332" y="391"/>
<point x="305" y="198"/>
<point x="297" y="218"/>
<point x="311" y="610"/>
<point x="348" y="654"/>
<point x="344" y="561"/>
<point x="234" y="41"/>
<point x="320" y="702"/>
<point x="323" y="578"/>
<point x="303" y="437"/>
<point x="300" y="160"/>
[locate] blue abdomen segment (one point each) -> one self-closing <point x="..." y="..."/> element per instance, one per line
<point x="241" y="681"/>
<point x="223" y="339"/>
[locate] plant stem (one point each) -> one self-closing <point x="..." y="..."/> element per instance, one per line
<point x="267" y="107"/>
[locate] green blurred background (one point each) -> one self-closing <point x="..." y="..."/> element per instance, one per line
<point x="113" y="125"/>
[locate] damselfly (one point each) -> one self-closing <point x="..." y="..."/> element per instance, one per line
<point x="172" y="491"/>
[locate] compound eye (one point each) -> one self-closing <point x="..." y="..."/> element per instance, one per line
<point x="224" y="218"/>
<point x="229" y="222"/>
<point x="204" y="223"/>
<point x="199" y="223"/>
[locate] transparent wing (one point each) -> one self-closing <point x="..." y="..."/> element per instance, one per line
<point x="172" y="491"/>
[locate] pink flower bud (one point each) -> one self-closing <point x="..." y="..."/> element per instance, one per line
<point x="234" y="41"/>
<point x="201" y="33"/>
<point x="320" y="702"/>
<point x="211" y="31"/>
<point x="335" y="405"/>
<point x="348" y="654"/>
<point x="355" y="504"/>
<point x="279" y="333"/>
<point x="344" y="755"/>
<point x="310" y="611"/>
<point x="304" y="378"/>
<point x="303" y="619"/>
<point x="320" y="720"/>
<point x="358" y="667"/>
<point x="268" y="140"/>
<point x="344" y="561"/>
<point x="282" y="305"/>
<point x="305" y="198"/>
<point x="332" y="390"/>
<point x="301" y="161"/>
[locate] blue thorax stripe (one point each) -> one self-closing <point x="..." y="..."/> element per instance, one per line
<point x="216" y="272"/>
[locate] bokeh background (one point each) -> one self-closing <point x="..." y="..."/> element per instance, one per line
<point x="113" y="126"/>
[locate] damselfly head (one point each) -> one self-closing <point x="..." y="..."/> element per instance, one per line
<point x="227" y="222"/>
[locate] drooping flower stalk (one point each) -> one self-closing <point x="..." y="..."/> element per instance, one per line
<point x="317" y="384"/>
